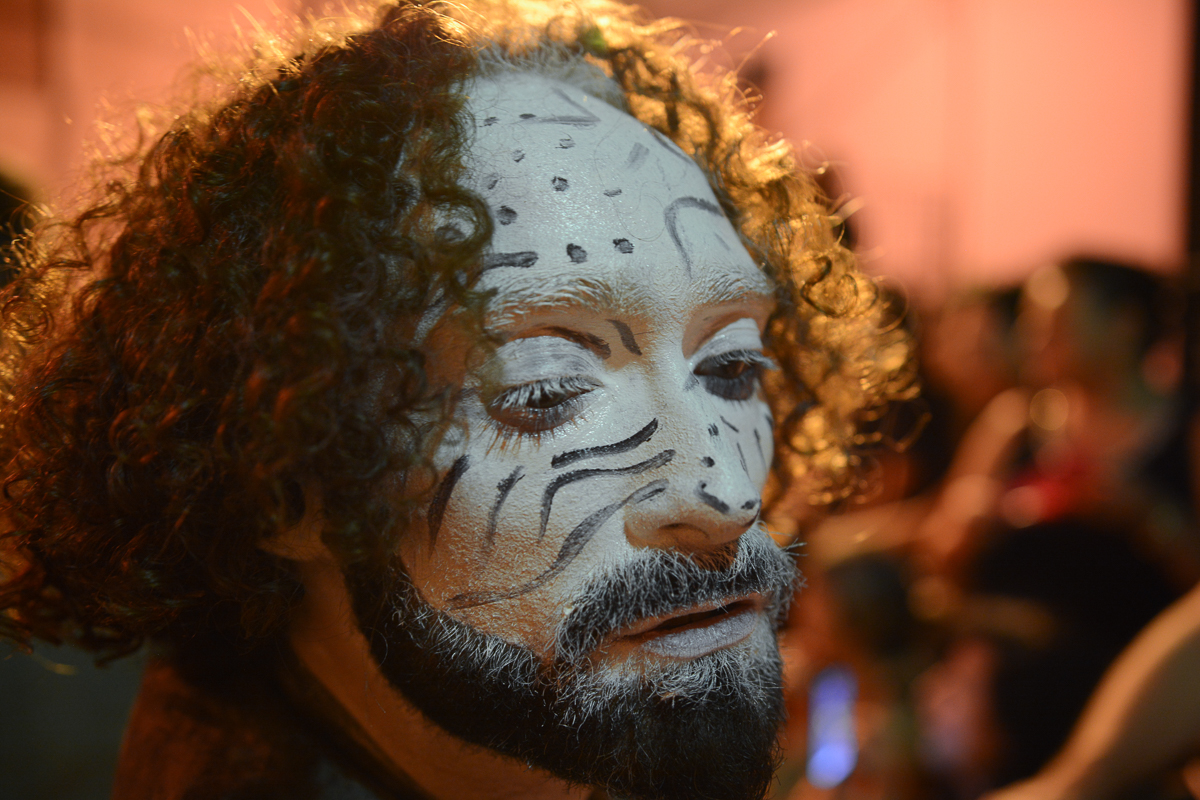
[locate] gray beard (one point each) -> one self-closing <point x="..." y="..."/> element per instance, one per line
<point x="696" y="729"/>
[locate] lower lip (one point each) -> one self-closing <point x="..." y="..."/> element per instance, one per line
<point x="701" y="640"/>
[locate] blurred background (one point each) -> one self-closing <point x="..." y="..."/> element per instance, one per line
<point x="1021" y="170"/>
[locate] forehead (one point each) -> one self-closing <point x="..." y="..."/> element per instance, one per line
<point x="581" y="190"/>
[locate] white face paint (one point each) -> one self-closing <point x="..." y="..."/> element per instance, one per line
<point x="622" y="410"/>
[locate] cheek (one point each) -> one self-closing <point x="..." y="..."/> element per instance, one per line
<point x="476" y="522"/>
<point x="487" y="564"/>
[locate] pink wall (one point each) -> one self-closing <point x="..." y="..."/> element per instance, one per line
<point x="97" y="54"/>
<point x="982" y="136"/>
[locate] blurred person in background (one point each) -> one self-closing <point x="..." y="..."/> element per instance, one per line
<point x="1044" y="611"/>
<point x="1141" y="726"/>
<point x="1061" y="396"/>
<point x="1143" y="722"/>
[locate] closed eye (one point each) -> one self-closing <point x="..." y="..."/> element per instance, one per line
<point x="541" y="405"/>
<point x="734" y="374"/>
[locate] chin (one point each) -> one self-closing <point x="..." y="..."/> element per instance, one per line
<point x="638" y="723"/>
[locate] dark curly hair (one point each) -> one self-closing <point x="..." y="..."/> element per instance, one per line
<point x="224" y="335"/>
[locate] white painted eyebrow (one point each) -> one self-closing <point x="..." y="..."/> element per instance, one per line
<point x="522" y="294"/>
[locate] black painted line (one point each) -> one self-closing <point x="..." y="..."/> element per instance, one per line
<point x="711" y="500"/>
<point x="654" y="462"/>
<point x="742" y="458"/>
<point x="611" y="192"/>
<point x="437" y="506"/>
<point x="713" y="430"/>
<point x="524" y="259"/>
<point x="758" y="443"/>
<point x="502" y="489"/>
<point x="584" y="119"/>
<point x="691" y="383"/>
<point x="626" y="335"/>
<point x="671" y="216"/>
<point x="730" y="424"/>
<point x="770" y="420"/>
<point x="572" y="546"/>
<point x="637" y="154"/>
<point x="623" y="446"/>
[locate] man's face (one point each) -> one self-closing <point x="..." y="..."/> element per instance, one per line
<point x="594" y="531"/>
<point x="622" y="410"/>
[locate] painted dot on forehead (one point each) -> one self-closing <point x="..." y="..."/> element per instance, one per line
<point x="623" y="246"/>
<point x="505" y="215"/>
<point x="528" y="116"/>
<point x="611" y="192"/>
<point x="491" y="121"/>
<point x="566" y="143"/>
<point x="560" y="184"/>
<point x="518" y="155"/>
<point x="576" y="253"/>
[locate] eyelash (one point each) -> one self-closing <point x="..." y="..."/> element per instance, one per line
<point x="540" y="406"/>
<point x="733" y="375"/>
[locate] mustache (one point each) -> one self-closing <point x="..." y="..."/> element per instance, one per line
<point x="661" y="582"/>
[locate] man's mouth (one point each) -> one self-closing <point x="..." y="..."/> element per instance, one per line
<point x="691" y="634"/>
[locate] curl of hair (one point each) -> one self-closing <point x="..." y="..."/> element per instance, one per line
<point x="224" y="337"/>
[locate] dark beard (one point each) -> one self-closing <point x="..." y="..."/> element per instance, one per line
<point x="704" y="728"/>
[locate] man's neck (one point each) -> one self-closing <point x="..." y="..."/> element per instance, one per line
<point x="329" y="645"/>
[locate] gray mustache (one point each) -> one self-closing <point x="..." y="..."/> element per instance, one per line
<point x="663" y="582"/>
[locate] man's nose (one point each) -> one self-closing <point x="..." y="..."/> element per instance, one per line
<point x="710" y="500"/>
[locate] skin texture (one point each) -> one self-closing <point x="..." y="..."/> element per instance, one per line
<point x="621" y="411"/>
<point x="607" y="420"/>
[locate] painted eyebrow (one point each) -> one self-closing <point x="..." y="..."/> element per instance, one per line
<point x="588" y="340"/>
<point x="523" y="295"/>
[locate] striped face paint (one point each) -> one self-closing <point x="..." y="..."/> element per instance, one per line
<point x="622" y="410"/>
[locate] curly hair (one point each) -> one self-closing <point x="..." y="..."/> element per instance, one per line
<point x="225" y="335"/>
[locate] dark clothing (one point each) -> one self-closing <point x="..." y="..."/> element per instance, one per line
<point x="247" y="730"/>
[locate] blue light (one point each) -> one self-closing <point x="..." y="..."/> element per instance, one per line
<point x="832" y="743"/>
